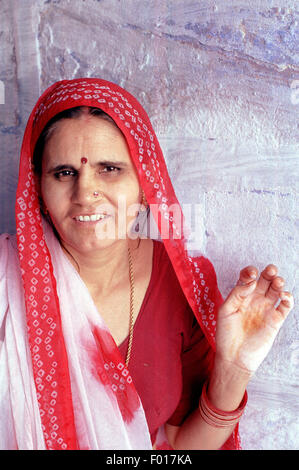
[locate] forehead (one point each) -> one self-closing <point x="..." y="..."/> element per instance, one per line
<point x="86" y="136"/>
<point x="87" y="127"/>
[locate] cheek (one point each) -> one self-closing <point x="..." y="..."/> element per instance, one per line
<point x="128" y="190"/>
<point x="135" y="196"/>
<point x="133" y="201"/>
<point x="126" y="201"/>
<point x="53" y="197"/>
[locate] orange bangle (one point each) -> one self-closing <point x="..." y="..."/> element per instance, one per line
<point x="219" y="418"/>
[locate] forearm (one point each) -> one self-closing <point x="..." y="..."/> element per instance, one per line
<point x="226" y="389"/>
<point x="247" y="324"/>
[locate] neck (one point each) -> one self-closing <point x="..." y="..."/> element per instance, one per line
<point x="103" y="270"/>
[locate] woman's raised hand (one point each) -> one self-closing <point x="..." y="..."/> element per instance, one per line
<point x="251" y="316"/>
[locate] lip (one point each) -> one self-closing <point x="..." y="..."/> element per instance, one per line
<point x="103" y="216"/>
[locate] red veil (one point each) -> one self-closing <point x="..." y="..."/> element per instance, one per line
<point x="196" y="275"/>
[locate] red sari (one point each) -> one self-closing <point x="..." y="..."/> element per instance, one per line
<point x="196" y="276"/>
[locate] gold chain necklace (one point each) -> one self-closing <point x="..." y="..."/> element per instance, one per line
<point x="131" y="325"/>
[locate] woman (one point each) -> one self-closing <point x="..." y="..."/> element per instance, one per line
<point x="108" y="338"/>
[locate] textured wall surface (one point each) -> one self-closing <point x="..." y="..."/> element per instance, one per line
<point x="220" y="83"/>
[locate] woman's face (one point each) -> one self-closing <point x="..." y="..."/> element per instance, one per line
<point x="67" y="185"/>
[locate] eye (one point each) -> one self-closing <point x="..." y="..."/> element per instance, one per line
<point x="110" y="169"/>
<point x="64" y="174"/>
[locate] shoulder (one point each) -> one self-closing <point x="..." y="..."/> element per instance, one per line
<point x="161" y="256"/>
<point x="168" y="287"/>
<point x="7" y="242"/>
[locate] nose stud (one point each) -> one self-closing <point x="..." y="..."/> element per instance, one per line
<point x="83" y="160"/>
<point x="95" y="194"/>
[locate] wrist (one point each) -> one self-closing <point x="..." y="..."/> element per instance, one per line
<point x="220" y="418"/>
<point x="227" y="384"/>
<point x="229" y="371"/>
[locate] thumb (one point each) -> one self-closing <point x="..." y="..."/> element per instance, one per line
<point x="237" y="296"/>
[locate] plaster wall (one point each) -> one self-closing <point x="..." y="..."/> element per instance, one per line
<point x="220" y="83"/>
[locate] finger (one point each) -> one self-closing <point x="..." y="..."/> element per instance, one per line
<point x="265" y="279"/>
<point x="286" y="304"/>
<point x="237" y="296"/>
<point x="247" y="275"/>
<point x="275" y="288"/>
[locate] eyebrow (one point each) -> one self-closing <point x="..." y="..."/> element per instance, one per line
<point x="98" y="164"/>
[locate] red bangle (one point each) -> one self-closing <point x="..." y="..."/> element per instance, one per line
<point x="219" y="418"/>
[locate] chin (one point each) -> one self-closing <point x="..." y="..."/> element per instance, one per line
<point x="90" y="239"/>
<point x="92" y="245"/>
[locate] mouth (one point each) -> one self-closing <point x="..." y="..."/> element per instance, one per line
<point x="90" y="218"/>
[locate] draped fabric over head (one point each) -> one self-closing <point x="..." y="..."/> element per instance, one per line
<point x="196" y="275"/>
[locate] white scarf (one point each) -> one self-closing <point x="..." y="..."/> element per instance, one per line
<point x="99" y="421"/>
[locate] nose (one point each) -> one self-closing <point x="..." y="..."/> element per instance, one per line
<point x="85" y="190"/>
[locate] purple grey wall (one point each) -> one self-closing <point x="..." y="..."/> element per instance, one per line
<point x="220" y="83"/>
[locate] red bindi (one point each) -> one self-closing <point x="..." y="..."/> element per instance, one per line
<point x="83" y="160"/>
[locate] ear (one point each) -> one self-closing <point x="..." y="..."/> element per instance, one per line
<point x="143" y="203"/>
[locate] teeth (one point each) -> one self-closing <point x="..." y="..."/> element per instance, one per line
<point x="91" y="218"/>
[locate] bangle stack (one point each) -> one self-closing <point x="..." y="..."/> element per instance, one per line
<point x="219" y="418"/>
